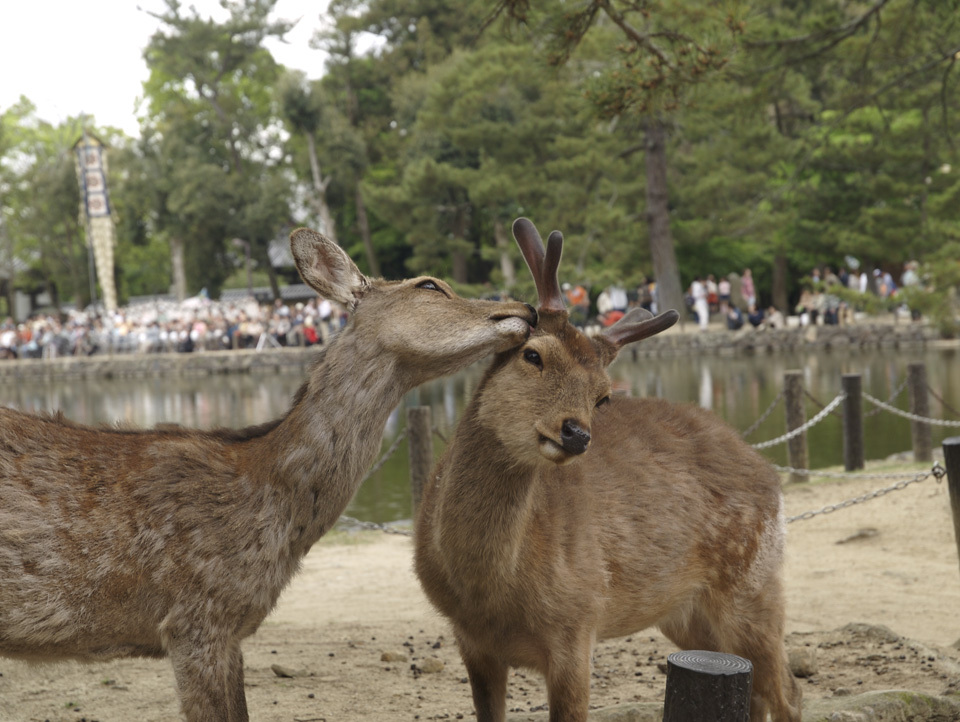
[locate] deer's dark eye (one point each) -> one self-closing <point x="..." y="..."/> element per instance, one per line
<point x="604" y="401"/>
<point x="532" y="357"/>
<point x="429" y="285"/>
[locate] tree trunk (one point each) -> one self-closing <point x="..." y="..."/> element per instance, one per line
<point x="271" y="273"/>
<point x="320" y="189"/>
<point x="669" y="291"/>
<point x="779" y="282"/>
<point x="506" y="262"/>
<point x="364" y="226"/>
<point x="458" y="254"/>
<point x="178" y="268"/>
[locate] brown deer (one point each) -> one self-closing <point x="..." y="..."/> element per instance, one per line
<point x="177" y="542"/>
<point x="559" y="516"/>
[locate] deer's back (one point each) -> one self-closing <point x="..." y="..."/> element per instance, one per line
<point x="143" y="523"/>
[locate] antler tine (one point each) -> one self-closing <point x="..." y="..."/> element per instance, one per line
<point x="551" y="297"/>
<point x="542" y="264"/>
<point x="639" y="324"/>
<point x="531" y="246"/>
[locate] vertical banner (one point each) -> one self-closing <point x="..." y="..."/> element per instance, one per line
<point x="95" y="210"/>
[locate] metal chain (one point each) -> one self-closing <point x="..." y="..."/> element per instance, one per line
<point x="387" y="454"/>
<point x="372" y="526"/>
<point x="907" y="414"/>
<point x="945" y="405"/>
<point x="819" y="403"/>
<point x="763" y="417"/>
<point x="873" y="412"/>
<point x="837" y="474"/>
<point x="895" y="394"/>
<point x="800" y="429"/>
<point x="938" y="471"/>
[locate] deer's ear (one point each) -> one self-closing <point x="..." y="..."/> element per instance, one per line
<point x="638" y="323"/>
<point x="326" y="267"/>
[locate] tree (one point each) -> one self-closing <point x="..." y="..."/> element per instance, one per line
<point x="302" y="106"/>
<point x="215" y="139"/>
<point x="668" y="47"/>
<point x="867" y="94"/>
<point x="493" y="133"/>
<point x="41" y="221"/>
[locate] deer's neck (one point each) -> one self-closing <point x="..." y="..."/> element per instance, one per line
<point x="484" y="505"/>
<point x="317" y="456"/>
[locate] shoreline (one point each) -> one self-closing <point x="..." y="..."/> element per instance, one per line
<point x="681" y="341"/>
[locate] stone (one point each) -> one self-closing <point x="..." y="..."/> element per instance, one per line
<point x="432" y="665"/>
<point x="287" y="672"/>
<point x="393" y="657"/>
<point x="803" y="661"/>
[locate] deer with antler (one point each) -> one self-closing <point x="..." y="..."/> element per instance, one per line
<point x="176" y="542"/>
<point x="558" y="516"/>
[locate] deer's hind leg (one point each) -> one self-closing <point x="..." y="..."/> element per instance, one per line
<point x="752" y="629"/>
<point x="756" y="629"/>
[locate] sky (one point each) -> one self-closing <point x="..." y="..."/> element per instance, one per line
<point x="71" y="57"/>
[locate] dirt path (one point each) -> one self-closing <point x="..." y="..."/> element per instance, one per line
<point x="357" y="598"/>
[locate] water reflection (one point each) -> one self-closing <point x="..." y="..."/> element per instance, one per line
<point x="739" y="390"/>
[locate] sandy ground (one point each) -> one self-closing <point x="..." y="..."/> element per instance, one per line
<point x="357" y="599"/>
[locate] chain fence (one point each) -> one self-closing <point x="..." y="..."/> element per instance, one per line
<point x="763" y="417"/>
<point x="906" y="414"/>
<point x="936" y="470"/>
<point x="943" y="403"/>
<point x="800" y="429"/>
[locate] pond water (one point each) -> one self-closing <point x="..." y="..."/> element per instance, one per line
<point x="739" y="390"/>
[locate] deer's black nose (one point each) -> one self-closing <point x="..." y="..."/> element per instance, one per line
<point x="573" y="438"/>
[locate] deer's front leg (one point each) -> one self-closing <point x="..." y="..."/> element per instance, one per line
<point x="236" y="693"/>
<point x="205" y="666"/>
<point x="568" y="683"/>
<point x="488" y="682"/>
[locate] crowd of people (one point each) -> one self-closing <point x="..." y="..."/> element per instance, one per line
<point x="165" y="326"/>
<point x="202" y="324"/>
<point x="733" y="301"/>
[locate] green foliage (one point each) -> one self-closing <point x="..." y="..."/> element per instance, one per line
<point x="799" y="133"/>
<point x="938" y="296"/>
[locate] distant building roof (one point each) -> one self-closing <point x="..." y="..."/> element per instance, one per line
<point x="293" y="292"/>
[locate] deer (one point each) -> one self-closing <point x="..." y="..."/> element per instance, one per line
<point x="176" y="542"/>
<point x="560" y="515"/>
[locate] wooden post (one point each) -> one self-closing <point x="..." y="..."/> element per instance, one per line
<point x="420" y="444"/>
<point x="951" y="460"/>
<point x="707" y="687"/>
<point x="798" y="456"/>
<point x="852" y="422"/>
<point x="919" y="405"/>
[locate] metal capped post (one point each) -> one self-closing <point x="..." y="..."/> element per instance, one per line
<point x="707" y="687"/>
<point x="852" y="422"/>
<point x="951" y="460"/>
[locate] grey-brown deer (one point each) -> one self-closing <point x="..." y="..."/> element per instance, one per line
<point x="559" y="516"/>
<point x="177" y="542"/>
